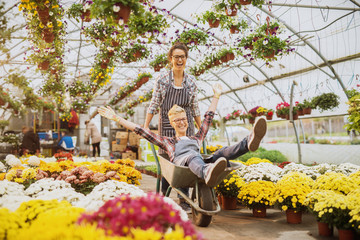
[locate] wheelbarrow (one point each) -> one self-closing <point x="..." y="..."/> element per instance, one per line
<point x="203" y="200"/>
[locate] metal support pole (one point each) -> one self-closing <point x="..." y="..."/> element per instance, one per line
<point x="292" y="120"/>
<point x="302" y="129"/>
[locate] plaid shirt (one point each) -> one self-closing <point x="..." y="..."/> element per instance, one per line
<point x="168" y="143"/>
<point x="161" y="86"/>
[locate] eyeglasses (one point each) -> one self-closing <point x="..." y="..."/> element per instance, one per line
<point x="178" y="120"/>
<point x="177" y="57"/>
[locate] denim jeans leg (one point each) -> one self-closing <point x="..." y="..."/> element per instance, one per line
<point x="196" y="165"/>
<point x="231" y="152"/>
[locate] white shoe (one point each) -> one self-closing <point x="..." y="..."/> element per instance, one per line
<point x="214" y="170"/>
<point x="257" y="134"/>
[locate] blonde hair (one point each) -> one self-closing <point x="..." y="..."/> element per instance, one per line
<point x="175" y="110"/>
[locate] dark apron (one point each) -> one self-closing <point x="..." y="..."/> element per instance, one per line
<point x="173" y="96"/>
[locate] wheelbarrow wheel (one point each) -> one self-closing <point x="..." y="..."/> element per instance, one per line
<point x="205" y="202"/>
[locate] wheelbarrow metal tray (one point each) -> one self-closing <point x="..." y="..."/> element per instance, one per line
<point x="181" y="176"/>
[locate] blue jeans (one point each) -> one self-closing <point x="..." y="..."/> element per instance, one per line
<point x="230" y="152"/>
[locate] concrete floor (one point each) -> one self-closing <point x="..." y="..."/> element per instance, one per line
<point x="239" y="224"/>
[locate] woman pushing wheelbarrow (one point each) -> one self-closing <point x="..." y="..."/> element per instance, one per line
<point x="184" y="151"/>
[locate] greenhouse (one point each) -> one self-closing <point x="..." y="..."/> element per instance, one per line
<point x="159" y="119"/>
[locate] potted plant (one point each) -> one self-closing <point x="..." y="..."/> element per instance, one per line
<point x="258" y="196"/>
<point x="354" y="113"/>
<point x="78" y="10"/>
<point x="159" y="62"/>
<point x="229" y="6"/>
<point x="270" y="28"/>
<point x="235" y="25"/>
<point x="307" y="106"/>
<point x="192" y="37"/>
<point x="213" y="18"/>
<point x="326" y="101"/>
<point x="269" y="114"/>
<point x="228" y="190"/>
<point x="253" y="111"/>
<point x="115" y="10"/>
<point x="268" y="47"/>
<point x="291" y="191"/>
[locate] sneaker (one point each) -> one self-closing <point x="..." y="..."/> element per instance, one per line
<point x="257" y="134"/>
<point x="214" y="170"/>
<point x="185" y="206"/>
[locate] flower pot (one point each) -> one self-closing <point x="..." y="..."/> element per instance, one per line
<point x="324" y="229"/>
<point x="86" y="16"/>
<point x="115" y="43"/>
<point x="271" y="55"/>
<point x="214" y="24"/>
<point x="44" y="65"/>
<point x="251" y="120"/>
<point x="231" y="11"/>
<point x="43" y="15"/>
<point x="234" y="30"/>
<point x="254" y="114"/>
<point x="48" y="36"/>
<point x="111" y="53"/>
<point x="300" y="112"/>
<point x="157" y="68"/>
<point x="123" y="13"/>
<point x="346" y="234"/>
<point x="219" y="197"/>
<point x="307" y="111"/>
<point x="216" y="62"/>
<point x="142" y="81"/>
<point x="259" y="212"/>
<point x="2" y="102"/>
<point x="295" y="116"/>
<point x="293" y="217"/>
<point x="137" y="54"/>
<point x="269" y="117"/>
<point x="270" y="31"/>
<point x="224" y="59"/>
<point x="106" y="60"/>
<point x="194" y="41"/>
<point x="103" y="65"/>
<point x="230" y="56"/>
<point x="228" y="203"/>
<point x="244" y="2"/>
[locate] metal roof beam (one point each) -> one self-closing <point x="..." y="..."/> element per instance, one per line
<point x="313" y="6"/>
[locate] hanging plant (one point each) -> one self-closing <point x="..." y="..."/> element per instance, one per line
<point x="159" y="62"/>
<point x="212" y="18"/>
<point x="270" y="28"/>
<point x="78" y="10"/>
<point x="235" y="25"/>
<point x="326" y="101"/>
<point x="136" y="52"/>
<point x="354" y="112"/>
<point x="147" y="24"/>
<point x="192" y="37"/>
<point x="115" y="11"/>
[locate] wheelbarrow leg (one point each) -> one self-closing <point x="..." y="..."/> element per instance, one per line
<point x="158" y="169"/>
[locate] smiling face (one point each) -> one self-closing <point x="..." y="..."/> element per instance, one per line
<point x="178" y="60"/>
<point x="179" y="122"/>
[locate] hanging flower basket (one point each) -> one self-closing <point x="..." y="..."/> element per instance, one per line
<point x="234" y="30"/>
<point x="123" y="13"/>
<point x="48" y="36"/>
<point x="111" y="53"/>
<point x="2" y="102"/>
<point x="271" y="55"/>
<point x="269" y="117"/>
<point x="137" y="54"/>
<point x="231" y="11"/>
<point x="103" y="65"/>
<point x="43" y="15"/>
<point x="44" y="65"/>
<point x="86" y="16"/>
<point x="230" y="56"/>
<point x="244" y="2"/>
<point x="251" y="120"/>
<point x="115" y="43"/>
<point x="224" y="59"/>
<point x="307" y="111"/>
<point x="157" y="68"/>
<point x="214" y="24"/>
<point x="270" y="31"/>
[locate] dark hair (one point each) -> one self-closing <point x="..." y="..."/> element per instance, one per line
<point x="178" y="45"/>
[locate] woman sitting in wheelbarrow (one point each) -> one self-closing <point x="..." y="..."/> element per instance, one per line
<point x="185" y="150"/>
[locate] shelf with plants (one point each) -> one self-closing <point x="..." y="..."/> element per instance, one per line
<point x="129" y="88"/>
<point x="192" y="37"/>
<point x="115" y="11"/>
<point x="133" y="103"/>
<point x="159" y="62"/>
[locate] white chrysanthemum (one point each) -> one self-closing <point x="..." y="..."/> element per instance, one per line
<point x="34" y="161"/>
<point x="2" y="167"/>
<point x="8" y="157"/>
<point x="11" y="188"/>
<point x="47" y="185"/>
<point x="14" y="162"/>
<point x="261" y="171"/>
